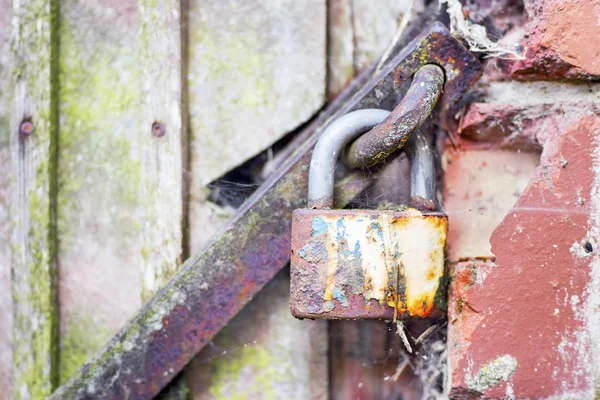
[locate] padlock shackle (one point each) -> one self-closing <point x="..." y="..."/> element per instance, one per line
<point x="422" y="172"/>
<point x="328" y="149"/>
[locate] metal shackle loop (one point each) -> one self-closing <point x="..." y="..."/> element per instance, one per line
<point x="422" y="172"/>
<point x="328" y="149"/>
<point x="414" y="108"/>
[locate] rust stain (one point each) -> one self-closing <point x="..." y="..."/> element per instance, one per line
<point x="376" y="261"/>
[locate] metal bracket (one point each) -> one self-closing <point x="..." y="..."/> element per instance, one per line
<point x="213" y="286"/>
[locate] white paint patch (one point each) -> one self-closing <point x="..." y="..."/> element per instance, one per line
<point x="411" y="247"/>
<point x="578" y="250"/>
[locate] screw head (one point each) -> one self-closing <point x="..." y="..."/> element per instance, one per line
<point x="158" y="129"/>
<point x="26" y="127"/>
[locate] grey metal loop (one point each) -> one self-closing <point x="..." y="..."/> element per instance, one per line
<point x="328" y="149"/>
<point x="422" y="172"/>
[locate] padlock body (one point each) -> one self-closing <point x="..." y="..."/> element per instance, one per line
<point x="367" y="264"/>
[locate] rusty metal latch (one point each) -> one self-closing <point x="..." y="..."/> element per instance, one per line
<point x="372" y="264"/>
<point x="214" y="285"/>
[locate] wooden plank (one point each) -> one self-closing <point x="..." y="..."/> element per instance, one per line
<point x="264" y="353"/>
<point x="257" y="71"/>
<point x="33" y="147"/>
<point x="6" y="355"/>
<point x="99" y="174"/>
<point x="375" y="23"/>
<point x="340" y="50"/>
<point x="253" y="76"/>
<point x="160" y="141"/>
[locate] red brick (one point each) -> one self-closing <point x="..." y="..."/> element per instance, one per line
<point x="562" y="40"/>
<point x="532" y="316"/>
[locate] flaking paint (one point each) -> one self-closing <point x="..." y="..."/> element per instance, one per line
<point x="393" y="258"/>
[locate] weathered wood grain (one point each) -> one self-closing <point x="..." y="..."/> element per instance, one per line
<point x="375" y="23"/>
<point x="99" y="174"/>
<point x="256" y="72"/>
<point x="161" y="140"/>
<point x="340" y="49"/>
<point x="264" y="353"/>
<point x="32" y="209"/>
<point x="6" y="325"/>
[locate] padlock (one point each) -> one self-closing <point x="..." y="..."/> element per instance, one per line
<point x="367" y="264"/>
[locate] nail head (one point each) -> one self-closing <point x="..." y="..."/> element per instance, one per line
<point x="26" y="128"/>
<point x="158" y="129"/>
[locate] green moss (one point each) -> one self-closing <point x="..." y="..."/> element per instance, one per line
<point x="229" y="368"/>
<point x="99" y="98"/>
<point x="4" y="130"/>
<point x="83" y="334"/>
<point x="98" y="93"/>
<point x="35" y="336"/>
<point x="236" y="60"/>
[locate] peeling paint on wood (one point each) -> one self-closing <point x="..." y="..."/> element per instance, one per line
<point x="99" y="175"/>
<point x="33" y="220"/>
<point x="160" y="141"/>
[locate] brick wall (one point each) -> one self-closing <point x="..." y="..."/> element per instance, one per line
<point x="522" y="192"/>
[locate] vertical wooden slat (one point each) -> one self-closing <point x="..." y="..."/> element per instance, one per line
<point x="256" y="72"/>
<point x="161" y="142"/>
<point x="33" y="236"/>
<point x="99" y="174"/>
<point x="6" y="357"/>
<point x="340" y="46"/>
<point x="375" y="23"/>
<point x="162" y="139"/>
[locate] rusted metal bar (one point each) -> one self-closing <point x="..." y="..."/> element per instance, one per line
<point x="212" y="287"/>
<point x="418" y="103"/>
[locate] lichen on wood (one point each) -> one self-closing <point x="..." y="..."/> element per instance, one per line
<point x="253" y="77"/>
<point x="34" y="71"/>
<point x="159" y="52"/>
<point x="6" y="303"/>
<point x="99" y="174"/>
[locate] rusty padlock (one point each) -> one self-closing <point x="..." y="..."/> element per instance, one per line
<point x="367" y="264"/>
